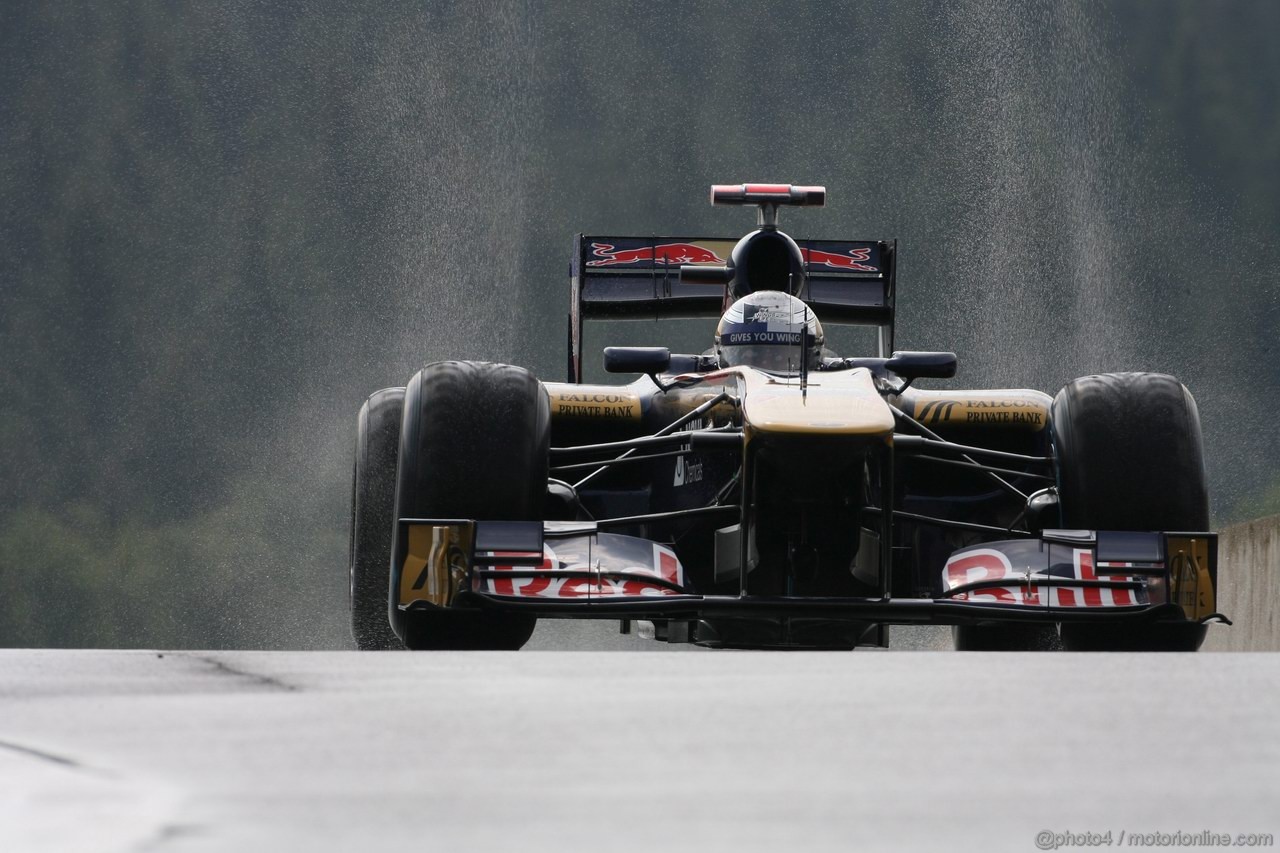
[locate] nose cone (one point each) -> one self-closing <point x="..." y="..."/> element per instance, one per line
<point x="844" y="404"/>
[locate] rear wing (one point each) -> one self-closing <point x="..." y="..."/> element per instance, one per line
<point x="849" y="282"/>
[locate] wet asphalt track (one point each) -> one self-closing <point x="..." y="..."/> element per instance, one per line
<point x="183" y="751"/>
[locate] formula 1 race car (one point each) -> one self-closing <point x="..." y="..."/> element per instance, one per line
<point x="769" y="493"/>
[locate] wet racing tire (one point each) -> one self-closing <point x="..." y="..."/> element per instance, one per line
<point x="373" y="491"/>
<point x="1129" y="457"/>
<point x="473" y="444"/>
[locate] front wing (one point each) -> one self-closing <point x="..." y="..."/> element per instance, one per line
<point x="575" y="570"/>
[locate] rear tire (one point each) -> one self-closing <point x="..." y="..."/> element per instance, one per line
<point x="1130" y="457"/>
<point x="473" y="444"/>
<point x="373" y="490"/>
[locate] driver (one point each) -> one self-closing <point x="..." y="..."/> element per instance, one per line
<point x="764" y="330"/>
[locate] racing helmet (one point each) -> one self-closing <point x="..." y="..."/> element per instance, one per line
<point x="764" y="330"/>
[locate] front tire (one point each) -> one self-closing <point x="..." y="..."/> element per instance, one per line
<point x="473" y="444"/>
<point x="373" y="491"/>
<point x="1130" y="457"/>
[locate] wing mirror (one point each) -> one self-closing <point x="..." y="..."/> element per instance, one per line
<point x="922" y="365"/>
<point x="647" y="360"/>
<point x="705" y="274"/>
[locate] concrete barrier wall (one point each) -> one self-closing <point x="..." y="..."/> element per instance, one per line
<point x="1248" y="588"/>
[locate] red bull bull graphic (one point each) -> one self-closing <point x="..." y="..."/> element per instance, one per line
<point x="854" y="260"/>
<point x="607" y="255"/>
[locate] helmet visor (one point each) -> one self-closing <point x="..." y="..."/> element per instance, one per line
<point x="776" y="352"/>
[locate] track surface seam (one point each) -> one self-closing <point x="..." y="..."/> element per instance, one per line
<point x="50" y="757"/>
<point x="227" y="669"/>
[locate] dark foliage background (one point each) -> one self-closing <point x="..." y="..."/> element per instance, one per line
<point x="225" y="224"/>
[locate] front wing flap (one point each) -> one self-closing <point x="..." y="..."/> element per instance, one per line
<point x="523" y="561"/>
<point x="1070" y="570"/>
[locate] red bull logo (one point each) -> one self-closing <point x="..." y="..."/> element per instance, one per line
<point x="854" y="259"/>
<point x="667" y="253"/>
